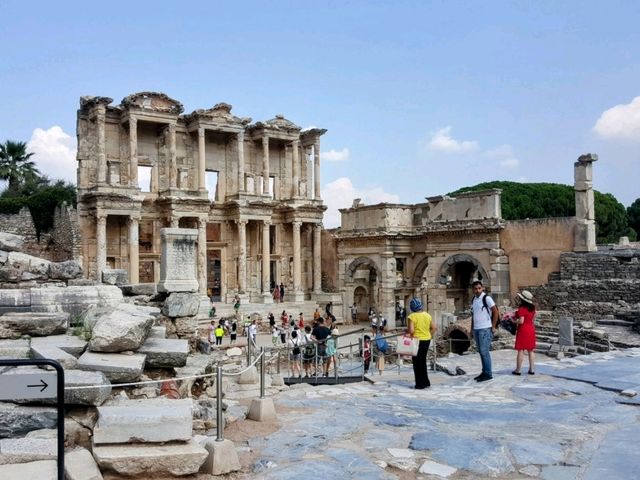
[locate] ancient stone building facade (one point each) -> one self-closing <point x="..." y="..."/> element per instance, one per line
<point x="252" y="189"/>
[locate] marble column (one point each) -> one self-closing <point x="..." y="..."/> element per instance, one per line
<point x="101" y="111"/>
<point x="295" y="171"/>
<point x="173" y="167"/>
<point x="317" y="265"/>
<point x="201" y="160"/>
<point x="242" y="255"/>
<point x="585" y="232"/>
<point x="134" y="257"/>
<point x="296" y="260"/>
<point x="265" y="165"/>
<point x="133" y="151"/>
<point x="101" y="245"/>
<point x="316" y="169"/>
<point x="202" y="255"/>
<point x="241" y="187"/>
<point x="174" y="222"/>
<point x="266" y="261"/>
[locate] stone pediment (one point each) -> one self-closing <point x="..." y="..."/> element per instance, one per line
<point x="278" y="123"/>
<point x="220" y="113"/>
<point x="87" y="102"/>
<point x="153" y="101"/>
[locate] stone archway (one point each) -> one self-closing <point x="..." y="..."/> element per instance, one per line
<point x="363" y="277"/>
<point x="457" y="273"/>
<point x="362" y="301"/>
<point x="361" y="263"/>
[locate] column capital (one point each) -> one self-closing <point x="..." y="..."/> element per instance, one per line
<point x="241" y="222"/>
<point x="265" y="139"/>
<point x="133" y="219"/>
<point x="101" y="217"/>
<point x="267" y="221"/>
<point x="317" y="226"/>
<point x="295" y="143"/>
<point x="241" y="136"/>
<point x="202" y="222"/>
<point x="200" y="131"/>
<point x="296" y="224"/>
<point x="133" y="121"/>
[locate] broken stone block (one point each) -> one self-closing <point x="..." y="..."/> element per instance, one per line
<point x="74" y="299"/>
<point x="186" y="326"/>
<point x="125" y="328"/>
<point x="181" y="305"/>
<point x="64" y="270"/>
<point x="28" y="263"/>
<point x="14" y="348"/>
<point x="41" y="470"/>
<point x="158" y="332"/>
<point x="430" y="467"/>
<point x="23" y="450"/>
<point x="139" y="289"/>
<point x="117" y="367"/>
<point x="165" y="352"/>
<point x="137" y="459"/>
<point x="52" y="352"/>
<point x="115" y="276"/>
<point x="234" y="352"/>
<point x="17" y="420"/>
<point x="71" y="344"/>
<point x="16" y="324"/>
<point x="86" y="396"/>
<point x="10" y="242"/>
<point x="80" y="465"/>
<point x="148" y="420"/>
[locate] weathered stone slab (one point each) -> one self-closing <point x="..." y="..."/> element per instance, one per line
<point x="17" y="420"/>
<point x="54" y="353"/>
<point x="41" y="470"/>
<point x="65" y="270"/>
<point x="28" y="263"/>
<point x="178" y="260"/>
<point x="181" y="305"/>
<point x="115" y="276"/>
<point x="23" y="450"/>
<point x="171" y="459"/>
<point x="10" y="242"/>
<point x="139" y="289"/>
<point x="150" y="420"/>
<point x="117" y="367"/>
<point x="74" y="299"/>
<point x="565" y="331"/>
<point x="86" y="396"/>
<point x="125" y="328"/>
<point x="80" y="465"/>
<point x="16" y="324"/>
<point x="14" y="348"/>
<point x="158" y="332"/>
<point x="15" y="298"/>
<point x="165" y="352"/>
<point x="71" y="344"/>
<point x="186" y="326"/>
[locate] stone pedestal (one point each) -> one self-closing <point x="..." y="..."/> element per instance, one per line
<point x="262" y="410"/>
<point x="178" y="260"/>
<point x="222" y="459"/>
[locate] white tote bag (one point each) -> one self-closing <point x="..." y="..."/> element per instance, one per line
<point x="407" y="346"/>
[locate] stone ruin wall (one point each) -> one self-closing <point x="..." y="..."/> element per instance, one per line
<point x="21" y="223"/>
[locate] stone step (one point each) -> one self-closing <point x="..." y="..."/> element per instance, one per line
<point x="71" y="344"/>
<point x="616" y="322"/>
<point x="80" y="465"/>
<point x="36" y="324"/>
<point x="118" y="367"/>
<point x="144" y="421"/>
<point x="14" y="349"/>
<point x="165" y="352"/>
<point x="177" y="459"/>
<point x="52" y="352"/>
<point x="40" y="470"/>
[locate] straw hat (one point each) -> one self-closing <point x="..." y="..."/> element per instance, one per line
<point x="526" y="296"/>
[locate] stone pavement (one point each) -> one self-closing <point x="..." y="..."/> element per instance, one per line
<point x="569" y="421"/>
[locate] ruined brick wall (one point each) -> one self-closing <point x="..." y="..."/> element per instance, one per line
<point x="21" y="223"/>
<point x="619" y="264"/>
<point x="65" y="236"/>
<point x="329" y="261"/>
<point x="609" y="291"/>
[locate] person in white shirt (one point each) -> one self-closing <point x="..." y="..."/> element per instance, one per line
<point x="253" y="332"/>
<point x="484" y="319"/>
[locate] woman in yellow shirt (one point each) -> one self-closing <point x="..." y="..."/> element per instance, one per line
<point x="421" y="327"/>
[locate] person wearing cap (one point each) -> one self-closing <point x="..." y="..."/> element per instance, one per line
<point x="526" y="332"/>
<point x="421" y="327"/>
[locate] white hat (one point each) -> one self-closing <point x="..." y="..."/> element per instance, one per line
<point x="526" y="296"/>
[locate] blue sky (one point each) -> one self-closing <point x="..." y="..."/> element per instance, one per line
<point x="419" y="98"/>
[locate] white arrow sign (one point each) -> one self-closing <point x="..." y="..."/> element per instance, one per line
<point x="26" y="386"/>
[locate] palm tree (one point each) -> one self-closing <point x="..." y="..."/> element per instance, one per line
<point x="15" y="165"/>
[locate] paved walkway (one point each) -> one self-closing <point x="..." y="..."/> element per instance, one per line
<point x="569" y="421"/>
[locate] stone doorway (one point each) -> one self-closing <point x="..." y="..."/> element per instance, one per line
<point x="214" y="273"/>
<point x="458" y="272"/>
<point x="362" y="301"/>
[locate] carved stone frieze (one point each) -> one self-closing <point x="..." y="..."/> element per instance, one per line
<point x="153" y="101"/>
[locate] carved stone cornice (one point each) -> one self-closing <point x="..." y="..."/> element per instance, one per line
<point x="88" y="102"/>
<point x="218" y="114"/>
<point x="278" y="124"/>
<point x="152" y="101"/>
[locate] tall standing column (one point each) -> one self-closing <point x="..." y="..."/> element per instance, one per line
<point x="101" y="111"/>
<point x="296" y="259"/>
<point x="201" y="160"/>
<point x="133" y="151"/>
<point x="242" y="255"/>
<point x="316" y="168"/>
<point x="585" y="232"/>
<point x="202" y="255"/>
<point x="317" y="266"/>
<point x="265" y="165"/>
<point x="295" y="171"/>
<point x="266" y="261"/>
<point x="173" y="166"/>
<point x="241" y="187"/>
<point x="134" y="257"/>
<point x="101" y="246"/>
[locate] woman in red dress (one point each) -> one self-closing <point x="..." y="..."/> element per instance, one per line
<point x="526" y="333"/>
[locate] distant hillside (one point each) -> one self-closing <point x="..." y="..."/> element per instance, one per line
<point x="542" y="200"/>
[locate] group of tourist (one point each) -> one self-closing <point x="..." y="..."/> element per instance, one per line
<point x="484" y="321"/>
<point x="218" y="332"/>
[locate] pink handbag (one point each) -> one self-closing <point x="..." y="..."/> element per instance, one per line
<point x="407" y="346"/>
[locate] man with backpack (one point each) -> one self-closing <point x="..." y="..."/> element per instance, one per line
<point x="484" y="320"/>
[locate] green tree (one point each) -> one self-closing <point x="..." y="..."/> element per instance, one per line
<point x="15" y="164"/>
<point x="633" y="216"/>
<point x="543" y="200"/>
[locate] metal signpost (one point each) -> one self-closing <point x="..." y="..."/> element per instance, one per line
<point x="34" y="386"/>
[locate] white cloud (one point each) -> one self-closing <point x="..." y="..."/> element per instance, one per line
<point x="442" y="141"/>
<point x="334" y="155"/>
<point x="54" y="153"/>
<point x="620" y="122"/>
<point x="504" y="153"/>
<point x="340" y="194"/>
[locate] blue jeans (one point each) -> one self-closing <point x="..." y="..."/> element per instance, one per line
<point x="483" y="339"/>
